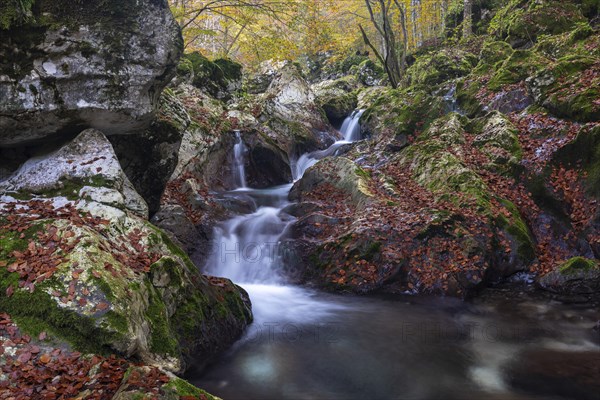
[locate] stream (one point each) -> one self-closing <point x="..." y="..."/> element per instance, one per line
<point x="307" y="344"/>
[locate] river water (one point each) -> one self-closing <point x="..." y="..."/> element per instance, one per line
<point x="306" y="344"/>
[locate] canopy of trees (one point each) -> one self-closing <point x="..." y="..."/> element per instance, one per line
<point x="251" y="31"/>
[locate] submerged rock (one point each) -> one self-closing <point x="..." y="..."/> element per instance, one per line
<point x="93" y="64"/>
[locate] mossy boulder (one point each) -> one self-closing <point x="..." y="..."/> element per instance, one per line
<point x="516" y="68"/>
<point x="520" y="22"/>
<point x="434" y="68"/>
<point x="369" y="73"/>
<point x="569" y="89"/>
<point x="498" y="139"/>
<point x="495" y="51"/>
<point x="221" y="77"/>
<point x="399" y="114"/>
<point x="340" y="172"/>
<point x="577" y="275"/>
<point x="337" y="98"/>
<point x="118" y="285"/>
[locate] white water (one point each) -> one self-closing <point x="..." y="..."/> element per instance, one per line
<point x="247" y="248"/>
<point x="350" y="130"/>
<point x="239" y="150"/>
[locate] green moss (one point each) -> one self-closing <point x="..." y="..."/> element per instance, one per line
<point x="577" y="264"/>
<point x="117" y="321"/>
<point x="183" y="388"/>
<point x="39" y="312"/>
<point x="520" y="65"/>
<point x="402" y="112"/>
<point x="162" y="340"/>
<point x="437" y="67"/>
<point x="521" y="21"/>
<point x="231" y="70"/>
<point x="517" y="228"/>
<point x="15" y="12"/>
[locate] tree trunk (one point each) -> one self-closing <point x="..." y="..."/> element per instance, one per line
<point x="468" y="19"/>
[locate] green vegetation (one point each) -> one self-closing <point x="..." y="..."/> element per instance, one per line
<point x="578" y="264"/>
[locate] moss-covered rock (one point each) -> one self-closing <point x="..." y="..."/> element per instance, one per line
<point x="521" y="21"/>
<point x="569" y="88"/>
<point x="434" y="68"/>
<point x="577" y="275"/>
<point x="401" y="113"/>
<point x="221" y="77"/>
<point x="516" y="68"/>
<point x="337" y="98"/>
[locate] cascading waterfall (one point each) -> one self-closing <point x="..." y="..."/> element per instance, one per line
<point x="239" y="150"/>
<point x="350" y="130"/>
<point x="351" y="126"/>
<point x="246" y="248"/>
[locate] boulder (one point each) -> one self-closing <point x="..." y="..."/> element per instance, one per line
<point x="92" y="64"/>
<point x="86" y="167"/>
<point x="106" y="280"/>
<point x="575" y="276"/>
<point x="337" y="98"/>
<point x="440" y="66"/>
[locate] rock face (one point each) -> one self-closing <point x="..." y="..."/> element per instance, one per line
<point x="94" y="64"/>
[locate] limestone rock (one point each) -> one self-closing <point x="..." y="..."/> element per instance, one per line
<point x="86" y="167"/>
<point x="90" y="64"/>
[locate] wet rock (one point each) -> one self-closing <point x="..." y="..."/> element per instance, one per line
<point x="576" y="276"/>
<point x="288" y="107"/>
<point x="93" y="64"/>
<point x="511" y="101"/>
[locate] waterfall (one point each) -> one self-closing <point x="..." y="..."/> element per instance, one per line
<point x="351" y="127"/>
<point x="247" y="248"/>
<point x="350" y="130"/>
<point x="239" y="151"/>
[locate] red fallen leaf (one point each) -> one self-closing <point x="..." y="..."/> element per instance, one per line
<point x="75" y="275"/>
<point x="98" y="169"/>
<point x="43" y="336"/>
<point x="34" y="349"/>
<point x="102" y="306"/>
<point x="24" y="357"/>
<point x="96" y="274"/>
<point x="82" y="302"/>
<point x="9" y="291"/>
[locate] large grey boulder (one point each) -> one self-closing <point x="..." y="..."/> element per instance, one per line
<point x="99" y="64"/>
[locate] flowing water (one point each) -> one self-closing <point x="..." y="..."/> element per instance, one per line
<point x="306" y="344"/>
